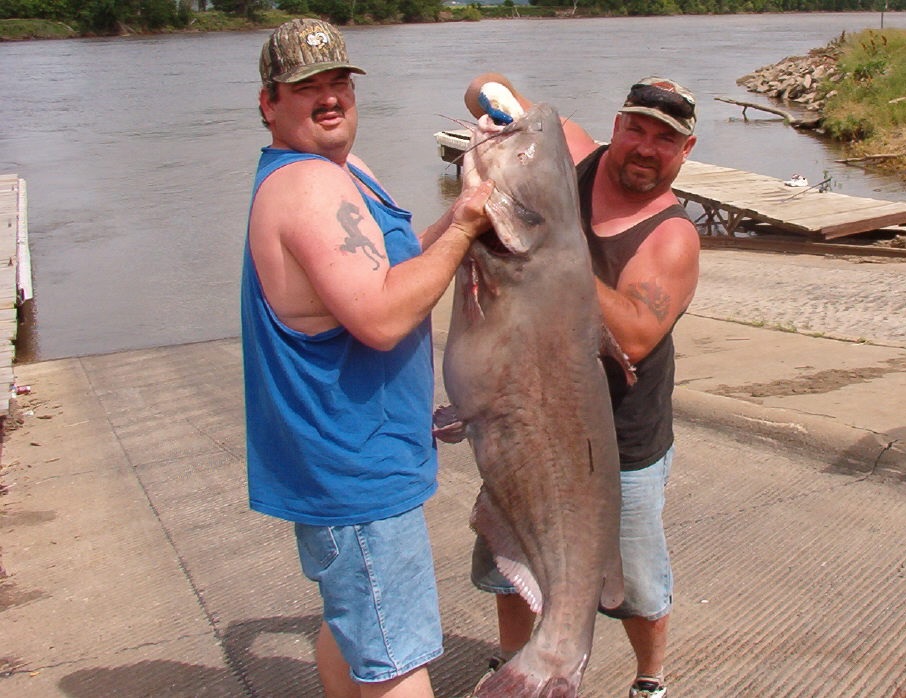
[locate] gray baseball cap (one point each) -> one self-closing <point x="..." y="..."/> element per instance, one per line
<point x="300" y="48"/>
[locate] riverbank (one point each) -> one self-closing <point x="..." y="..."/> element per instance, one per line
<point x="210" y="21"/>
<point x="857" y="86"/>
<point x="216" y="21"/>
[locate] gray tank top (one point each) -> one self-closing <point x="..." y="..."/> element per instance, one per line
<point x="643" y="413"/>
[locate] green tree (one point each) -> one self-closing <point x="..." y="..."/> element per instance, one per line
<point x="57" y="10"/>
<point x="243" y="8"/>
<point x="421" y="10"/>
<point x="337" y="11"/>
<point x="294" y="7"/>
<point x="99" y="16"/>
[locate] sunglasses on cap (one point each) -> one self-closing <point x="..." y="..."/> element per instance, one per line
<point x="671" y="103"/>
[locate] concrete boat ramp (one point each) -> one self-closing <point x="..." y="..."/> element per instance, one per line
<point x="133" y="567"/>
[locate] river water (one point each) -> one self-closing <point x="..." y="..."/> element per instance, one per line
<point x="139" y="152"/>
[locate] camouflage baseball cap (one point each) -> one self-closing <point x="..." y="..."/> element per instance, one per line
<point x="665" y="100"/>
<point x="301" y="48"/>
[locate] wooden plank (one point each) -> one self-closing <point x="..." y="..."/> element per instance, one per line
<point x="779" y="243"/>
<point x="24" y="288"/>
<point x="832" y="232"/>
<point x="12" y="224"/>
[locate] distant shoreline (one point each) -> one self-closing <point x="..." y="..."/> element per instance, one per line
<point x="214" y="21"/>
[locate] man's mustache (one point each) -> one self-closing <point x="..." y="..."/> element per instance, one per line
<point x="338" y="111"/>
<point x="644" y="162"/>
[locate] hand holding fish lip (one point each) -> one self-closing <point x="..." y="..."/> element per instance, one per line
<point x="487" y="125"/>
<point x="469" y="213"/>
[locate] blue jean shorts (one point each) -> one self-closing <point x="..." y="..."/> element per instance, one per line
<point x="647" y="575"/>
<point x="379" y="591"/>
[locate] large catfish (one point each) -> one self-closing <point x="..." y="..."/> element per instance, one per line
<point x="523" y="373"/>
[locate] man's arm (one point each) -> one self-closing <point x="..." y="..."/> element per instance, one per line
<point x="327" y="237"/>
<point x="656" y="286"/>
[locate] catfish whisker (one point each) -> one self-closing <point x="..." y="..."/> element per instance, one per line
<point x="473" y="127"/>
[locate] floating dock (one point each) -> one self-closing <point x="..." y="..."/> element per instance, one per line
<point x="735" y="199"/>
<point x="15" y="277"/>
<point x="731" y="198"/>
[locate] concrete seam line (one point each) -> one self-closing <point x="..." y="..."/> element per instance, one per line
<point x="852" y="448"/>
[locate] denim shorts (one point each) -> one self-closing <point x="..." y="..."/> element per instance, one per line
<point x="379" y="591"/>
<point x="647" y="576"/>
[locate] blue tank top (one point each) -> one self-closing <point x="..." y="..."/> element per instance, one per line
<point x="337" y="433"/>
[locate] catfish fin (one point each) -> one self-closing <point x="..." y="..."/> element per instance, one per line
<point x="497" y="532"/>
<point x="610" y="347"/>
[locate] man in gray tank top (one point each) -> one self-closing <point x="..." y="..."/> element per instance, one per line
<point x="645" y="254"/>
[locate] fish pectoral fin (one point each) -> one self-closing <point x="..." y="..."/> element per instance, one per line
<point x="490" y="523"/>
<point x="447" y="425"/>
<point x="610" y="347"/>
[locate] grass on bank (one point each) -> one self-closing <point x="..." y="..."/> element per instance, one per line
<point x="19" y="29"/>
<point x="208" y="21"/>
<point x="868" y="110"/>
<point x="215" y="21"/>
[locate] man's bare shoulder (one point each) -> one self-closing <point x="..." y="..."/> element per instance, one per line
<point x="682" y="229"/>
<point x="306" y="182"/>
<point x="358" y="162"/>
<point x="673" y="239"/>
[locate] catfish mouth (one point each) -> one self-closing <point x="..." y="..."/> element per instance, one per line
<point x="494" y="245"/>
<point x="513" y="227"/>
<point x="513" y="223"/>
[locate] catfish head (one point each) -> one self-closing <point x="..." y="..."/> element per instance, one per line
<point x="534" y="209"/>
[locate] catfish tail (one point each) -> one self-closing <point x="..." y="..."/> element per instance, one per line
<point x="509" y="681"/>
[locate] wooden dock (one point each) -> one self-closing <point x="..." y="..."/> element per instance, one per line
<point x="734" y="199"/>
<point x="15" y="277"/>
<point x="451" y="145"/>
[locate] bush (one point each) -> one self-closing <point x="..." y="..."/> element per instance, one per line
<point x="294" y="7"/>
<point x="867" y="102"/>
<point x="17" y="29"/>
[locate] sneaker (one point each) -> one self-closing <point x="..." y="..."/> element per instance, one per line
<point x="648" y="687"/>
<point x="494" y="663"/>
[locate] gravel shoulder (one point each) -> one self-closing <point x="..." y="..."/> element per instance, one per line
<point x="852" y="298"/>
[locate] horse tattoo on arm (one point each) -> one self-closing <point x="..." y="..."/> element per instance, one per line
<point x="349" y="217"/>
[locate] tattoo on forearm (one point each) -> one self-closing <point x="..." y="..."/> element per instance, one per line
<point x="349" y="217"/>
<point x="653" y="296"/>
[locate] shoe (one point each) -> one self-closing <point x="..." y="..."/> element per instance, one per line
<point x="648" y="687"/>
<point x="494" y="663"/>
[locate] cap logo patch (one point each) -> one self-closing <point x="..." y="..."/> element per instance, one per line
<point x="317" y="39"/>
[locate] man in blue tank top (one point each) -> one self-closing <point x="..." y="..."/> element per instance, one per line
<point x="336" y="295"/>
<point x="645" y="253"/>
